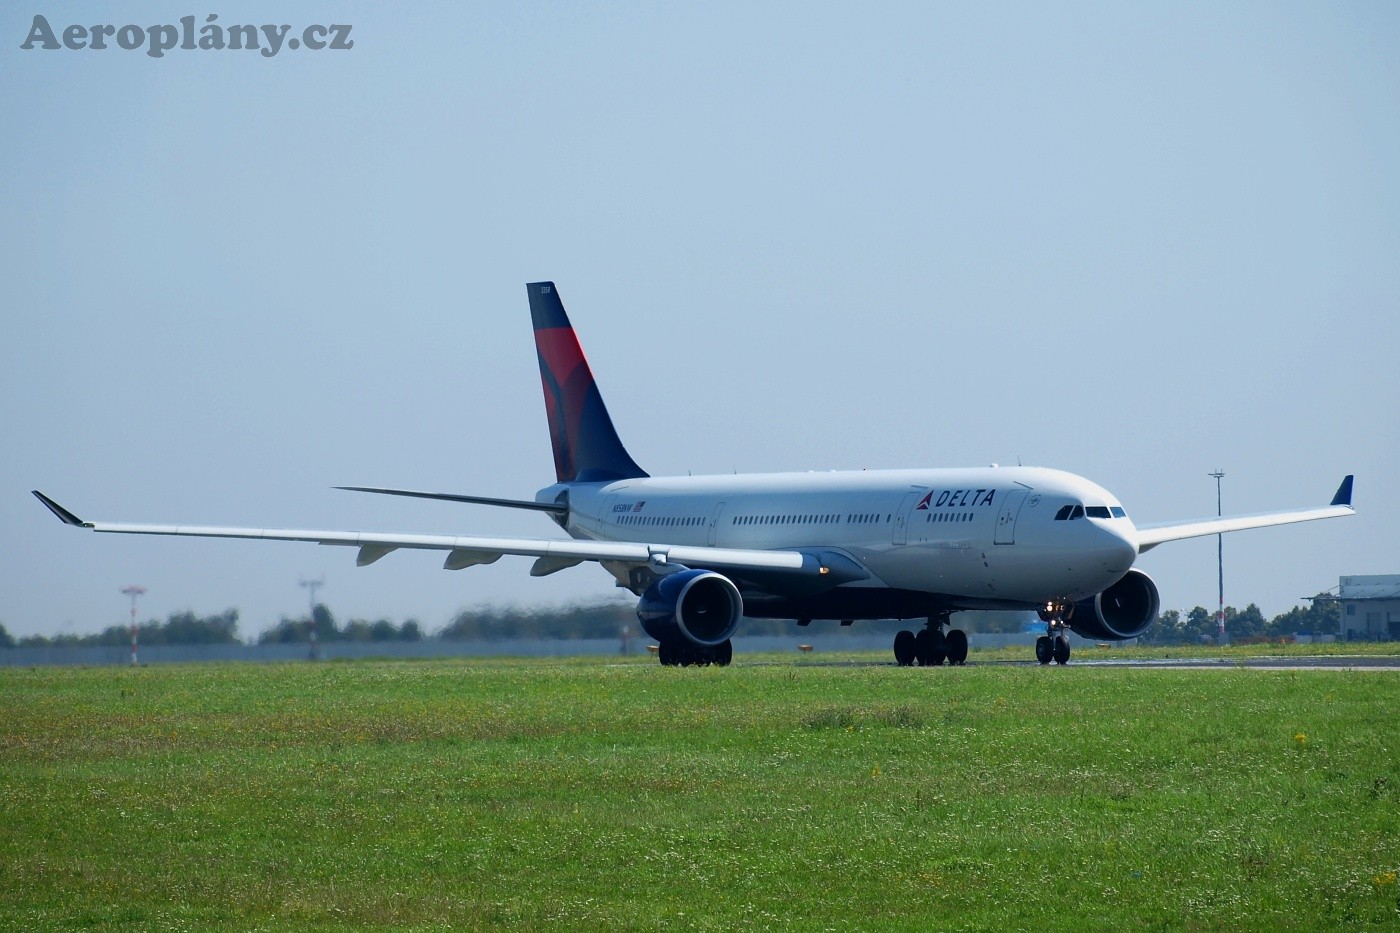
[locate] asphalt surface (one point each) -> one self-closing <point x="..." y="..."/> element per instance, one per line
<point x="1315" y="663"/>
<point x="1321" y="662"/>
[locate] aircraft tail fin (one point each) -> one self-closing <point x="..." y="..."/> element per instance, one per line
<point x="586" y="445"/>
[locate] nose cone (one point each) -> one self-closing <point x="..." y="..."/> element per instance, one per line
<point x="1117" y="545"/>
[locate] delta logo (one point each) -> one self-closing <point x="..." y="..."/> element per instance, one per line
<point x="955" y="499"/>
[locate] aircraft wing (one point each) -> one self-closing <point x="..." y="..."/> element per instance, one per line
<point x="1149" y="536"/>
<point x="465" y="551"/>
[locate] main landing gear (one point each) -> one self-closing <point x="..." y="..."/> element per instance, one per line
<point x="1053" y="645"/>
<point x="684" y="654"/>
<point x="930" y="648"/>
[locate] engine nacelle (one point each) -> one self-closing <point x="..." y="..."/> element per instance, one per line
<point x="697" y="606"/>
<point x="1122" y="611"/>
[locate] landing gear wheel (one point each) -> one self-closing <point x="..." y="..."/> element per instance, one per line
<point x="957" y="647"/>
<point x="666" y="652"/>
<point x="724" y="653"/>
<point x="1053" y="645"/>
<point x="904" y="648"/>
<point x="929" y="649"/>
<point x="938" y="647"/>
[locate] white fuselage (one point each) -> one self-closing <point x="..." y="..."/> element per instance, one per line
<point x="982" y="536"/>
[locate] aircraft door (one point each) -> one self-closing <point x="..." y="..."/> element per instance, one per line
<point x="899" y="534"/>
<point x="714" y="522"/>
<point x="1006" y="518"/>
<point x="610" y="517"/>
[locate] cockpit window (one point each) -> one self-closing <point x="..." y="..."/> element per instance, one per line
<point x="1069" y="513"/>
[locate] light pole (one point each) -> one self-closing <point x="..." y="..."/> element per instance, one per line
<point x="1220" y="561"/>
<point x="135" y="592"/>
<point x="313" y="585"/>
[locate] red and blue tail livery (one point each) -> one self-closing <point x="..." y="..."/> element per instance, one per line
<point x="586" y="446"/>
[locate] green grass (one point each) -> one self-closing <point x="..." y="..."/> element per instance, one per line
<point x="774" y="794"/>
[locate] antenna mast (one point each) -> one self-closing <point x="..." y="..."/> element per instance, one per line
<point x="135" y="592"/>
<point x="313" y="586"/>
<point x="1220" y="562"/>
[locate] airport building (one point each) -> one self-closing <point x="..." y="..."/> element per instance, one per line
<point x="1370" y="606"/>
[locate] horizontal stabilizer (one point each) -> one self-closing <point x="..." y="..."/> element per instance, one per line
<point x="551" y="507"/>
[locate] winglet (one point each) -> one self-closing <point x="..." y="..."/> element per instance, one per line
<point x="65" y="516"/>
<point x="1343" y="496"/>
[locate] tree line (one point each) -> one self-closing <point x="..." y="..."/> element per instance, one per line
<point x="1199" y="625"/>
<point x="327" y="631"/>
<point x="180" y="628"/>
<point x="604" y="620"/>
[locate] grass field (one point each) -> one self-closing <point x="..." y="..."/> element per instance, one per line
<point x="770" y="794"/>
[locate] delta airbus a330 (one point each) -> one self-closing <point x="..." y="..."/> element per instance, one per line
<point x="704" y="551"/>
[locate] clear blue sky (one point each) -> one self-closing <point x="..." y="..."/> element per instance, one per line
<point x="1137" y="242"/>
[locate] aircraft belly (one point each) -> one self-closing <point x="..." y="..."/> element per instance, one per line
<point x="942" y="567"/>
<point x="1034" y="575"/>
<point x="986" y="572"/>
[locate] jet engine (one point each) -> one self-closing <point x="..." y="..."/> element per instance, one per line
<point x="1124" y="610"/>
<point x="696" y="606"/>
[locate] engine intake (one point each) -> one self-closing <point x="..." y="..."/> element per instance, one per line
<point x="1122" y="611"/>
<point x="698" y="606"/>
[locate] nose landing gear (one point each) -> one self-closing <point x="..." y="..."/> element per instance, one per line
<point x="931" y="647"/>
<point x="1053" y="645"/>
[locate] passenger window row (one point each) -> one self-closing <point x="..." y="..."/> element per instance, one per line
<point x="785" y="519"/>
<point x="865" y="518"/>
<point x="668" y="521"/>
